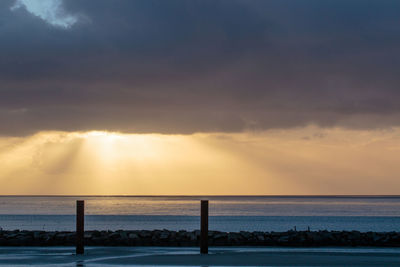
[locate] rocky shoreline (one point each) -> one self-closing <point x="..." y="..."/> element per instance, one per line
<point x="191" y="238"/>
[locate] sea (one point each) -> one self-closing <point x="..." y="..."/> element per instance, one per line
<point x="227" y="213"/>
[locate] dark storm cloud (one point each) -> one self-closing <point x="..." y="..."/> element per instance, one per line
<point x="190" y="66"/>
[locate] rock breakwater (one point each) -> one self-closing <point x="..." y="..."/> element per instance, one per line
<point x="192" y="238"/>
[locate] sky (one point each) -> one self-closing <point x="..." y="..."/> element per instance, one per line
<point x="199" y="97"/>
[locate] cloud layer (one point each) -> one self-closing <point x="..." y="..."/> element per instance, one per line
<point x="200" y="66"/>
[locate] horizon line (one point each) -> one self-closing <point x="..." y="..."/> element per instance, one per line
<point x="123" y="195"/>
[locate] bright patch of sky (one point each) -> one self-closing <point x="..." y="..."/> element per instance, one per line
<point x="51" y="11"/>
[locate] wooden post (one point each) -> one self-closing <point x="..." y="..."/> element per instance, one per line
<point x="80" y="230"/>
<point x="204" y="227"/>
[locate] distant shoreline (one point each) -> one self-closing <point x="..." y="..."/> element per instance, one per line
<point x="191" y="238"/>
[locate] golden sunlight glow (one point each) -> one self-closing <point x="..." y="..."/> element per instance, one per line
<point x="307" y="160"/>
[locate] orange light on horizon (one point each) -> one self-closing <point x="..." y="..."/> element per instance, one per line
<point x="307" y="160"/>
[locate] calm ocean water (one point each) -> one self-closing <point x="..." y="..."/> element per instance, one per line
<point x="227" y="213"/>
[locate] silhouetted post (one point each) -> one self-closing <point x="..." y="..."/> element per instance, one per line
<point x="80" y="221"/>
<point x="204" y="227"/>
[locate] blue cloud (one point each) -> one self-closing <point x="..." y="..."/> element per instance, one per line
<point x="51" y="11"/>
